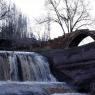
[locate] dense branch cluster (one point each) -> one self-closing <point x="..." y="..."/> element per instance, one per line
<point x="13" y="24"/>
<point x="71" y="15"/>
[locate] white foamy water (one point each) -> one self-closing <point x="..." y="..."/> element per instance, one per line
<point x="24" y="66"/>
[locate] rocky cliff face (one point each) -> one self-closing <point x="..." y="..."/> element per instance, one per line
<point x="76" y="66"/>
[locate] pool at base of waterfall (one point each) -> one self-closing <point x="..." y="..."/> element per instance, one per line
<point x="35" y="88"/>
<point x="70" y="94"/>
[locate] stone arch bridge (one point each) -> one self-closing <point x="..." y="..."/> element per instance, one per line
<point x="71" y="39"/>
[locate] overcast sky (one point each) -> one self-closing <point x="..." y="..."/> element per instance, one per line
<point x="35" y="8"/>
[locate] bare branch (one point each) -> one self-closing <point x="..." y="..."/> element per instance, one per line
<point x="78" y="18"/>
<point x="75" y="9"/>
<point x="58" y="16"/>
<point x="86" y="24"/>
<point x="72" y="15"/>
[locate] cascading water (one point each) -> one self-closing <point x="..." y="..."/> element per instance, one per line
<point x="24" y="66"/>
<point x="29" y="67"/>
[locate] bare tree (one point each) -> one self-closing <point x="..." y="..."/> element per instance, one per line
<point x="15" y="25"/>
<point x="4" y="9"/>
<point x="71" y="15"/>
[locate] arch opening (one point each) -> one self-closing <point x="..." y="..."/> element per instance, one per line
<point x="86" y="40"/>
<point x="80" y="40"/>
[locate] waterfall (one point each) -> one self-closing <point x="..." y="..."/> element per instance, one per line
<point x="27" y="73"/>
<point x="24" y="66"/>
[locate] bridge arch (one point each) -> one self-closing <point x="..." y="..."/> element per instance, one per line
<point x="76" y="37"/>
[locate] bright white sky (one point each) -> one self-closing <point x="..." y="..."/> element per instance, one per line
<point x="35" y="8"/>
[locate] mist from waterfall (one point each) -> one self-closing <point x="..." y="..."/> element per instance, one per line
<point x="24" y="66"/>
